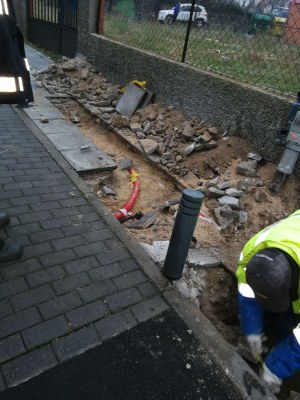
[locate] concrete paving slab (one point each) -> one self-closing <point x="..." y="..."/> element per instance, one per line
<point x="56" y="126"/>
<point x="95" y="159"/>
<point x="202" y="258"/>
<point x="38" y="113"/>
<point x="37" y="60"/>
<point x="130" y="100"/>
<point x="69" y="141"/>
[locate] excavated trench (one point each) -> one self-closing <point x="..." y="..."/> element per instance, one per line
<point x="162" y="177"/>
<point x="213" y="289"/>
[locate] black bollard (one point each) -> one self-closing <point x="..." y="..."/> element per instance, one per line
<point x="182" y="234"/>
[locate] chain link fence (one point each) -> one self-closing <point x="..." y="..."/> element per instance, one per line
<point x="253" y="41"/>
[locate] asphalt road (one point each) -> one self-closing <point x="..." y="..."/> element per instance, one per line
<point x="159" y="359"/>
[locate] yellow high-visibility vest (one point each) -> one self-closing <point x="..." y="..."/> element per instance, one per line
<point x="283" y="235"/>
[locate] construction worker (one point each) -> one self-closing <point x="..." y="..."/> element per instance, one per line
<point x="15" y="87"/>
<point x="269" y="298"/>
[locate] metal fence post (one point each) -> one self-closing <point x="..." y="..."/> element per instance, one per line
<point x="182" y="233"/>
<point x="188" y="31"/>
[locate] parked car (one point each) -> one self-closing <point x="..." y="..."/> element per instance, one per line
<point x="199" y="15"/>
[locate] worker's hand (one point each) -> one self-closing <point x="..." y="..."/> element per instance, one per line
<point x="271" y="380"/>
<point x="257" y="347"/>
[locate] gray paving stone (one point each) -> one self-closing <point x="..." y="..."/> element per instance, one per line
<point x="35" y="250"/>
<point x="99" y="235"/>
<point x="28" y="366"/>
<point x="73" y="202"/>
<point x="58" y="257"/>
<point x="25" y="199"/>
<point x="123" y="299"/>
<point x="64" y="212"/>
<point x="45" y="235"/>
<point x="34" y="217"/>
<point x="21" y="268"/>
<point x="45" y="332"/>
<point x="98" y="290"/>
<point x="90" y="249"/>
<point x="18" y="321"/>
<point x="87" y="314"/>
<point x="59" y="305"/>
<point x="109" y="257"/>
<point x="72" y="282"/>
<point x="76" y="229"/>
<point x="81" y="265"/>
<point x="23" y="229"/>
<point x="55" y="223"/>
<point x="113" y="244"/>
<point x="128" y="265"/>
<point x="92" y="216"/>
<point x="12" y="286"/>
<point x="117" y="323"/>
<point x="130" y="279"/>
<point x="76" y="343"/>
<point x="11" y="347"/>
<point x="149" y="308"/>
<point x="68" y="242"/>
<point x="45" y="276"/>
<point x="105" y="272"/>
<point x="2" y="384"/>
<point x="32" y="297"/>
<point x="146" y="289"/>
<point x="5" y="308"/>
<point x="46" y="205"/>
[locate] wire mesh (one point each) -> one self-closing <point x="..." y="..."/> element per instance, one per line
<point x="253" y="41"/>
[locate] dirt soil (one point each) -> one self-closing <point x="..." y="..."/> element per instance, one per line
<point x="157" y="188"/>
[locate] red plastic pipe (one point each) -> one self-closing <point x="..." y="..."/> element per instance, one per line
<point x="124" y="211"/>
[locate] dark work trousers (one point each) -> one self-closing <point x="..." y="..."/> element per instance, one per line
<point x="1" y="243"/>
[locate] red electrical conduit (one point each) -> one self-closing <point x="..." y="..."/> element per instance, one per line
<point x="124" y="212"/>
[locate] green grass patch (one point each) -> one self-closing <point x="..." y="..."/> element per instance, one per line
<point x="48" y="53"/>
<point x="263" y="60"/>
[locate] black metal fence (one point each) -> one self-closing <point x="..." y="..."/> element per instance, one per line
<point x="253" y="41"/>
<point x="53" y="25"/>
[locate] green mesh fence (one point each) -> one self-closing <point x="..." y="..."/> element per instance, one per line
<point x="253" y="41"/>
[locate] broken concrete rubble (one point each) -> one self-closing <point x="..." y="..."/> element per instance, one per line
<point x="247" y="168"/>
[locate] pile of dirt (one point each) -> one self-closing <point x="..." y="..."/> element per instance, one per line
<point x="170" y="152"/>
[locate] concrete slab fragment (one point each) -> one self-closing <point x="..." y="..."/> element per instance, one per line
<point x="130" y="100"/>
<point x="202" y="258"/>
<point x="147" y="99"/>
<point x="69" y="141"/>
<point x="157" y="251"/>
<point x="94" y="159"/>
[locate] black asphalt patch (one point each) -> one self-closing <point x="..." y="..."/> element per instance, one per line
<point x="158" y="359"/>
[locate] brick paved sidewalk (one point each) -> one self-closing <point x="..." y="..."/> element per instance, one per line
<point x="77" y="284"/>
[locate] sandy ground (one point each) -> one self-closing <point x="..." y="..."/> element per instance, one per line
<point x="157" y="188"/>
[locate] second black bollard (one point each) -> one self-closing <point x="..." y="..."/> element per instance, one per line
<point x="182" y="234"/>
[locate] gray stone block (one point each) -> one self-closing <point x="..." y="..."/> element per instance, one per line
<point x="28" y="366"/>
<point x="76" y="343"/>
<point x="149" y="308"/>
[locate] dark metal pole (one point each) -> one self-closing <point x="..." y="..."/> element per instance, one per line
<point x="182" y="234"/>
<point x="188" y="31"/>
